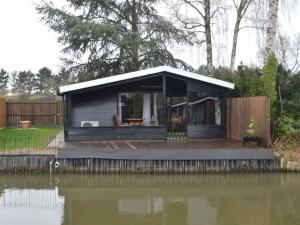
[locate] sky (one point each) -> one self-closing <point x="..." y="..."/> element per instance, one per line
<point x="26" y="43"/>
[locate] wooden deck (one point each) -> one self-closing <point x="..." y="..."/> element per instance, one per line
<point x="210" y="149"/>
<point x="156" y="144"/>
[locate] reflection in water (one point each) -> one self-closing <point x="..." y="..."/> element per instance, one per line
<point x="163" y="200"/>
<point x="31" y="206"/>
<point x="141" y="206"/>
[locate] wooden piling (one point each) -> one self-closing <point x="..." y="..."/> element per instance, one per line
<point x="40" y="164"/>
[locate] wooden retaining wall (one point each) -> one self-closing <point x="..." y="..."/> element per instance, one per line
<point x="241" y="110"/>
<point x="39" y="112"/>
<point x="14" y="164"/>
<point x="25" y="164"/>
<point x="2" y="113"/>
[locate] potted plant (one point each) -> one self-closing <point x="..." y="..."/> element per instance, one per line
<point x="251" y="131"/>
<point x="25" y="124"/>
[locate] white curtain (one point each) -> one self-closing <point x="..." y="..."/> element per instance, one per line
<point x="147" y="109"/>
<point x="218" y="111"/>
<point x="155" y="109"/>
<point x="120" y="107"/>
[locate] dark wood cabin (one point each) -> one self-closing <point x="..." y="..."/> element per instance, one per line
<point x="146" y="104"/>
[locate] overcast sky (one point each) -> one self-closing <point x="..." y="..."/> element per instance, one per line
<point x="26" y="43"/>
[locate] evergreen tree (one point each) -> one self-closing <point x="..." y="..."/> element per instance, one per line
<point x="4" y="78"/>
<point x="44" y="80"/>
<point x="288" y="93"/>
<point x="64" y="77"/>
<point x="248" y="82"/>
<point x="269" y="78"/>
<point x="12" y="81"/>
<point x="114" y="36"/>
<point x="24" y="83"/>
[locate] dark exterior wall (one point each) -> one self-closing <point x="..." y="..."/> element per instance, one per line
<point x="100" y="104"/>
<point x="198" y="86"/>
<point x="117" y="133"/>
<point x="205" y="131"/>
<point x="94" y="107"/>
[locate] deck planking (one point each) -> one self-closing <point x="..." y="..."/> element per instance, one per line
<point x="218" y="149"/>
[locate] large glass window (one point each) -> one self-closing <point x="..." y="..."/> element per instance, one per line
<point x="140" y="108"/>
<point x="205" y="109"/>
<point x="131" y="106"/>
<point x="177" y="106"/>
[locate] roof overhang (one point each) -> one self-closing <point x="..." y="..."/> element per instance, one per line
<point x="143" y="73"/>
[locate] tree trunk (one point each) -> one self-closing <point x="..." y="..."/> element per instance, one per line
<point x="209" y="56"/>
<point x="241" y="9"/>
<point x="234" y="43"/>
<point x="272" y="28"/>
<point x="135" y="45"/>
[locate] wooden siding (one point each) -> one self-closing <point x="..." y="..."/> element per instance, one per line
<point x="241" y="110"/>
<point x="205" y="131"/>
<point x="99" y="108"/>
<point x="2" y="113"/>
<point x="39" y="112"/>
<point x="114" y="133"/>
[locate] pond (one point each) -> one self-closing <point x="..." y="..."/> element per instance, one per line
<point x="241" y="199"/>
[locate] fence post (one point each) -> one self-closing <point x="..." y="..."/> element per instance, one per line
<point x="2" y="112"/>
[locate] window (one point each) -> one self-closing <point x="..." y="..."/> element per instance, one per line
<point x="205" y="109"/>
<point x="146" y="106"/>
<point x="131" y="106"/>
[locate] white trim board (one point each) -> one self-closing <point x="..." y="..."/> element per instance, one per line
<point x="143" y="73"/>
<point x="195" y="102"/>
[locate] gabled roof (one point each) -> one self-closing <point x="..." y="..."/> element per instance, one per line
<point x="144" y="73"/>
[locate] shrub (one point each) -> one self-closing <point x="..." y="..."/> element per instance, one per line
<point x="287" y="132"/>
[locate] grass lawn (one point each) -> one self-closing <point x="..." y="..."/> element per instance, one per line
<point x="18" y="138"/>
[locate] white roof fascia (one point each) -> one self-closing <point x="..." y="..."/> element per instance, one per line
<point x="142" y="73"/>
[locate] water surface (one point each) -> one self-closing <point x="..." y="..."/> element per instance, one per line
<point x="262" y="199"/>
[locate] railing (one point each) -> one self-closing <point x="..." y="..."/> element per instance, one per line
<point x="28" y="145"/>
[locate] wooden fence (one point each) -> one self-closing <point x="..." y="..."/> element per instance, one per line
<point x="2" y="113"/>
<point x="39" y="112"/>
<point x="241" y="110"/>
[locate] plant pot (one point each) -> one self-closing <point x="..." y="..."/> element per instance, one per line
<point x="251" y="132"/>
<point x="25" y="124"/>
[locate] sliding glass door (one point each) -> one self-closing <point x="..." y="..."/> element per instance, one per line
<point x="205" y="109"/>
<point x="140" y="108"/>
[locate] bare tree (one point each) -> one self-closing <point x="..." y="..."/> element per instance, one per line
<point x="288" y="52"/>
<point x="295" y="54"/>
<point x="272" y="27"/>
<point x="241" y="8"/>
<point x="199" y="20"/>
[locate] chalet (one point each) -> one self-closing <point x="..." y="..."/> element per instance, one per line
<point x="146" y="104"/>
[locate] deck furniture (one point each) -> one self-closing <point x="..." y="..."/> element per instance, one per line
<point x="256" y="139"/>
<point x="175" y="121"/>
<point x="135" y="121"/>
